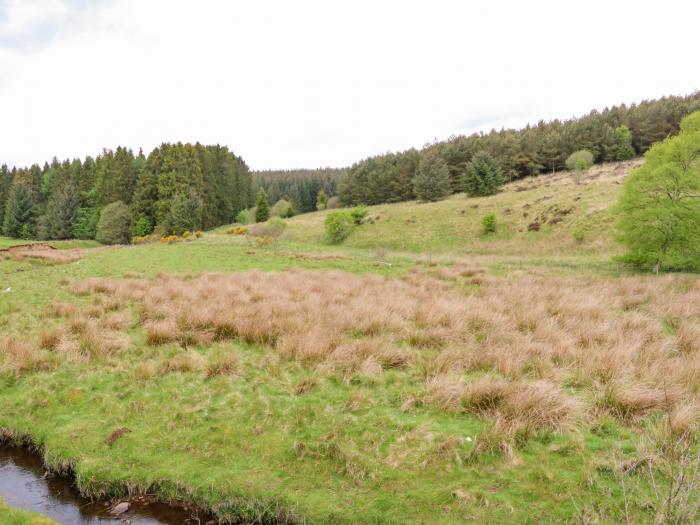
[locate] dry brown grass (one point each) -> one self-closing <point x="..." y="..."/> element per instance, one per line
<point x="549" y="350"/>
<point x="45" y="253"/>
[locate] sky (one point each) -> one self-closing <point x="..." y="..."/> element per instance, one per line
<point x="291" y="84"/>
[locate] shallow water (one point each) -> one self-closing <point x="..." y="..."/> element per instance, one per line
<point x="23" y="485"/>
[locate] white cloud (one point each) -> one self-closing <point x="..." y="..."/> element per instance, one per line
<point x="312" y="83"/>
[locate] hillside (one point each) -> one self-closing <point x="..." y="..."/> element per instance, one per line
<point x="555" y="202"/>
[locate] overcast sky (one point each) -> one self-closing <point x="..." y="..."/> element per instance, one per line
<point x="322" y="83"/>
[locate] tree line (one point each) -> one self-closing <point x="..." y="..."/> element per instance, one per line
<point x="436" y="171"/>
<point x="177" y="187"/>
<point x="300" y="187"/>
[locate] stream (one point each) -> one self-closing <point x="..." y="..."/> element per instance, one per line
<point x="23" y="485"/>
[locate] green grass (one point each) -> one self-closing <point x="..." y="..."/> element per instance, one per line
<point x="454" y="225"/>
<point x="248" y="446"/>
<point x="10" y="516"/>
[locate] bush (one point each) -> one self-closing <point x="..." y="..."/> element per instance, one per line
<point x="282" y="208"/>
<point x="237" y="230"/>
<point x="143" y="227"/>
<point x="580" y="160"/>
<point x="482" y="176"/>
<point x="579" y="235"/>
<point x="321" y="200"/>
<point x="243" y="217"/>
<point x="273" y="228"/>
<point x="488" y="223"/>
<point x="339" y="226"/>
<point x="333" y="203"/>
<point x="358" y="214"/>
<point x="114" y="226"/>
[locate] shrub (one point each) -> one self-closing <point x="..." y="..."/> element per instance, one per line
<point x="169" y="239"/>
<point x="281" y="208"/>
<point x="339" y="226"/>
<point x="358" y="214"/>
<point x="243" y="217"/>
<point x="488" y="223"/>
<point x="199" y="234"/>
<point x="114" y="226"/>
<point x="143" y="227"/>
<point x="579" y="235"/>
<point x="482" y="176"/>
<point x="273" y="228"/>
<point x="580" y="160"/>
<point x="333" y="203"/>
<point x="237" y="230"/>
<point x="321" y="200"/>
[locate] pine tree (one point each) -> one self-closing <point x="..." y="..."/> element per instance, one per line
<point x="19" y="212"/>
<point x="262" y="207"/>
<point x="61" y="215"/>
<point x="432" y="180"/>
<point x="185" y="214"/>
<point x="482" y="176"/>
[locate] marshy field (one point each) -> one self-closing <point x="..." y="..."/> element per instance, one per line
<point x="422" y="372"/>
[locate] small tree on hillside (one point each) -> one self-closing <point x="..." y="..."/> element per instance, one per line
<point x="580" y="159"/>
<point x="142" y="227"/>
<point x="482" y="176"/>
<point x="321" y="200"/>
<point x="262" y="207"/>
<point x="432" y="179"/>
<point x="19" y="213"/>
<point x="114" y="226"/>
<point x="660" y="204"/>
<point x="338" y="225"/>
<point x="623" y="138"/>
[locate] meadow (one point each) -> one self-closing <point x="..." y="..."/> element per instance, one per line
<point x="421" y="372"/>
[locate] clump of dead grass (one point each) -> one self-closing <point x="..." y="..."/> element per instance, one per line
<point x="550" y="349"/>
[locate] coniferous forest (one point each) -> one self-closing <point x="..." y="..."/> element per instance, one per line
<point x="187" y="186"/>
<point x="178" y="186"/>
<point x="529" y="151"/>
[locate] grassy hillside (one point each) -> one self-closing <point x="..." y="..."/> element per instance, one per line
<point x="302" y="383"/>
<point x="558" y="204"/>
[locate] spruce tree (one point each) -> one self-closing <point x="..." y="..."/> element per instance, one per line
<point x="482" y="176"/>
<point x="61" y="214"/>
<point x="19" y="212"/>
<point x="185" y="214"/>
<point x="262" y="207"/>
<point x="432" y="179"/>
